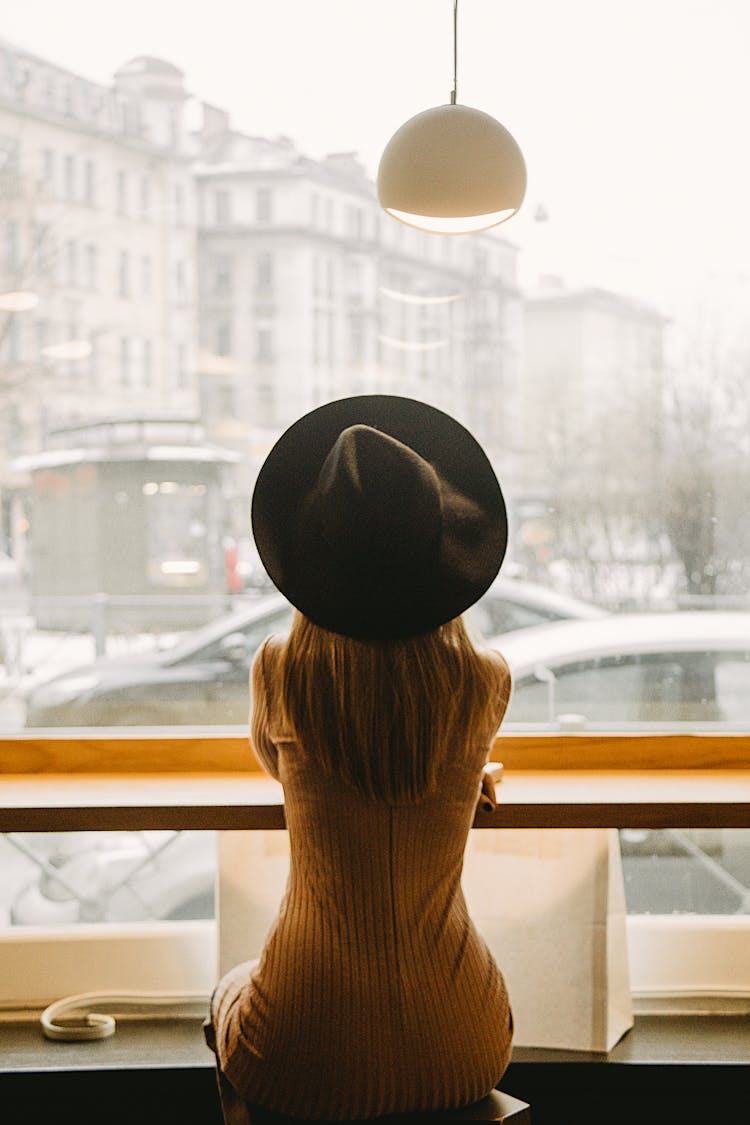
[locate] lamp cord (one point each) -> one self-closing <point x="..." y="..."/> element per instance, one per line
<point x="455" y="52"/>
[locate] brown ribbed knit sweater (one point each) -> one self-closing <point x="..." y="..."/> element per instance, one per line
<point x="374" y="993"/>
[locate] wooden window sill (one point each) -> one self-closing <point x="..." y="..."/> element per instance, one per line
<point x="183" y="780"/>
<point x="526" y="799"/>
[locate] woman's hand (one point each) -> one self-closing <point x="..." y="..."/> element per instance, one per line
<point x="492" y="772"/>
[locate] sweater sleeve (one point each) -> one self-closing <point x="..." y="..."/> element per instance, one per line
<point x="260" y="736"/>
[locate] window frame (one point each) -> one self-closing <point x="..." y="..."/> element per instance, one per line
<point x="39" y="755"/>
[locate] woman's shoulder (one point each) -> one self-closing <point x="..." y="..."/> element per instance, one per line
<point x="497" y="662"/>
<point x="269" y="652"/>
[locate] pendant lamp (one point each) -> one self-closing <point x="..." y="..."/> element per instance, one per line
<point x="452" y="169"/>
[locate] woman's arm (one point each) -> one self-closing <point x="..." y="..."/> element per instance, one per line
<point x="493" y="771"/>
<point x="260" y="736"/>
<point x="504" y="683"/>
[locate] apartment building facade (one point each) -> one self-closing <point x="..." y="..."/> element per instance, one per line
<point x="97" y="259"/>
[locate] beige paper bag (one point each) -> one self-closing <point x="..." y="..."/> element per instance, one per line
<point x="551" y="905"/>
<point x="253" y="869"/>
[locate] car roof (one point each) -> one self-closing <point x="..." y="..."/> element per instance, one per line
<point x="623" y="634"/>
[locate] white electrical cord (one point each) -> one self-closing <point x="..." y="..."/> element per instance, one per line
<point x="70" y="1021"/>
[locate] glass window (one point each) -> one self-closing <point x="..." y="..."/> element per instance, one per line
<point x="598" y="354"/>
<point x="121" y="191"/>
<point x="123" y="274"/>
<point x="12" y="245"/>
<point x="222" y="207"/>
<point x="264" y="205"/>
<point x="90" y="259"/>
<point x="264" y="350"/>
<point x="222" y="273"/>
<point x="145" y="196"/>
<point x="48" y="169"/>
<point x="69" y="182"/>
<point x="89" y="182"/>
<point x="147" y="273"/>
<point x="264" y="272"/>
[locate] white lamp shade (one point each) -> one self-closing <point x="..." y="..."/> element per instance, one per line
<point x="452" y="169"/>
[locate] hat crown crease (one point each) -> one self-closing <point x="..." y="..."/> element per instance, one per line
<point x="376" y="497"/>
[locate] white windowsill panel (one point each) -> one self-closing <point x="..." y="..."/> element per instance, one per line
<point x="39" y="966"/>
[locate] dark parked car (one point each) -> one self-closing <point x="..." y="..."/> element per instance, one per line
<point x="202" y="680"/>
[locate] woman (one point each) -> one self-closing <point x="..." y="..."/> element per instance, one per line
<point x="381" y="520"/>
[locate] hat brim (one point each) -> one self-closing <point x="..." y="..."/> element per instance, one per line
<point x="300" y="563"/>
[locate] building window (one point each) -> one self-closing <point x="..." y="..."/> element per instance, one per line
<point x="264" y="272"/>
<point x="263" y="205"/>
<point x="316" y="334"/>
<point x="222" y="272"/>
<point x="12" y="255"/>
<point x="264" y="344"/>
<point x="145" y="196"/>
<point x="90" y="259"/>
<point x="121" y="192"/>
<point x="41" y="329"/>
<point x="356" y="338"/>
<point x="71" y="263"/>
<point x="224" y="338"/>
<point x="225" y="400"/>
<point x="89" y="183"/>
<point x="222" y="208"/>
<point x="181" y="366"/>
<point x="10" y="341"/>
<point x="180" y="280"/>
<point x="69" y="177"/>
<point x="123" y="274"/>
<point x="94" y="358"/>
<point x="146" y="275"/>
<point x="48" y="92"/>
<point x="47" y="170"/>
<point x="147" y="363"/>
<point x="125" y="351"/>
<point x="179" y="203"/>
<point x="355" y="220"/>
<point x="8" y="156"/>
<point x="331" y="339"/>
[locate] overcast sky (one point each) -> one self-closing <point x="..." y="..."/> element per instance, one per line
<point x="631" y="115"/>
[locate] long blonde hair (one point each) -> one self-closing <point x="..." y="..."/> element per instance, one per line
<point x="383" y="714"/>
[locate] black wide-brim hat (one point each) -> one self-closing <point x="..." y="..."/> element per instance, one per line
<point x="379" y="517"/>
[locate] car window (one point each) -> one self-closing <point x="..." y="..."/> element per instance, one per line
<point x="253" y="633"/>
<point x="598" y="689"/>
<point x="733" y="686"/>
<point x="661" y="687"/>
<point x="494" y="615"/>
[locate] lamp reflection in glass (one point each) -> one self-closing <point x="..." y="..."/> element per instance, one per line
<point x="452" y="169"/>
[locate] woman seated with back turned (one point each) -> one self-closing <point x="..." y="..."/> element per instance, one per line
<point x="381" y="520"/>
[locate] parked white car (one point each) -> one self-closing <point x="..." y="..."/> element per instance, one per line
<point x="684" y="667"/>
